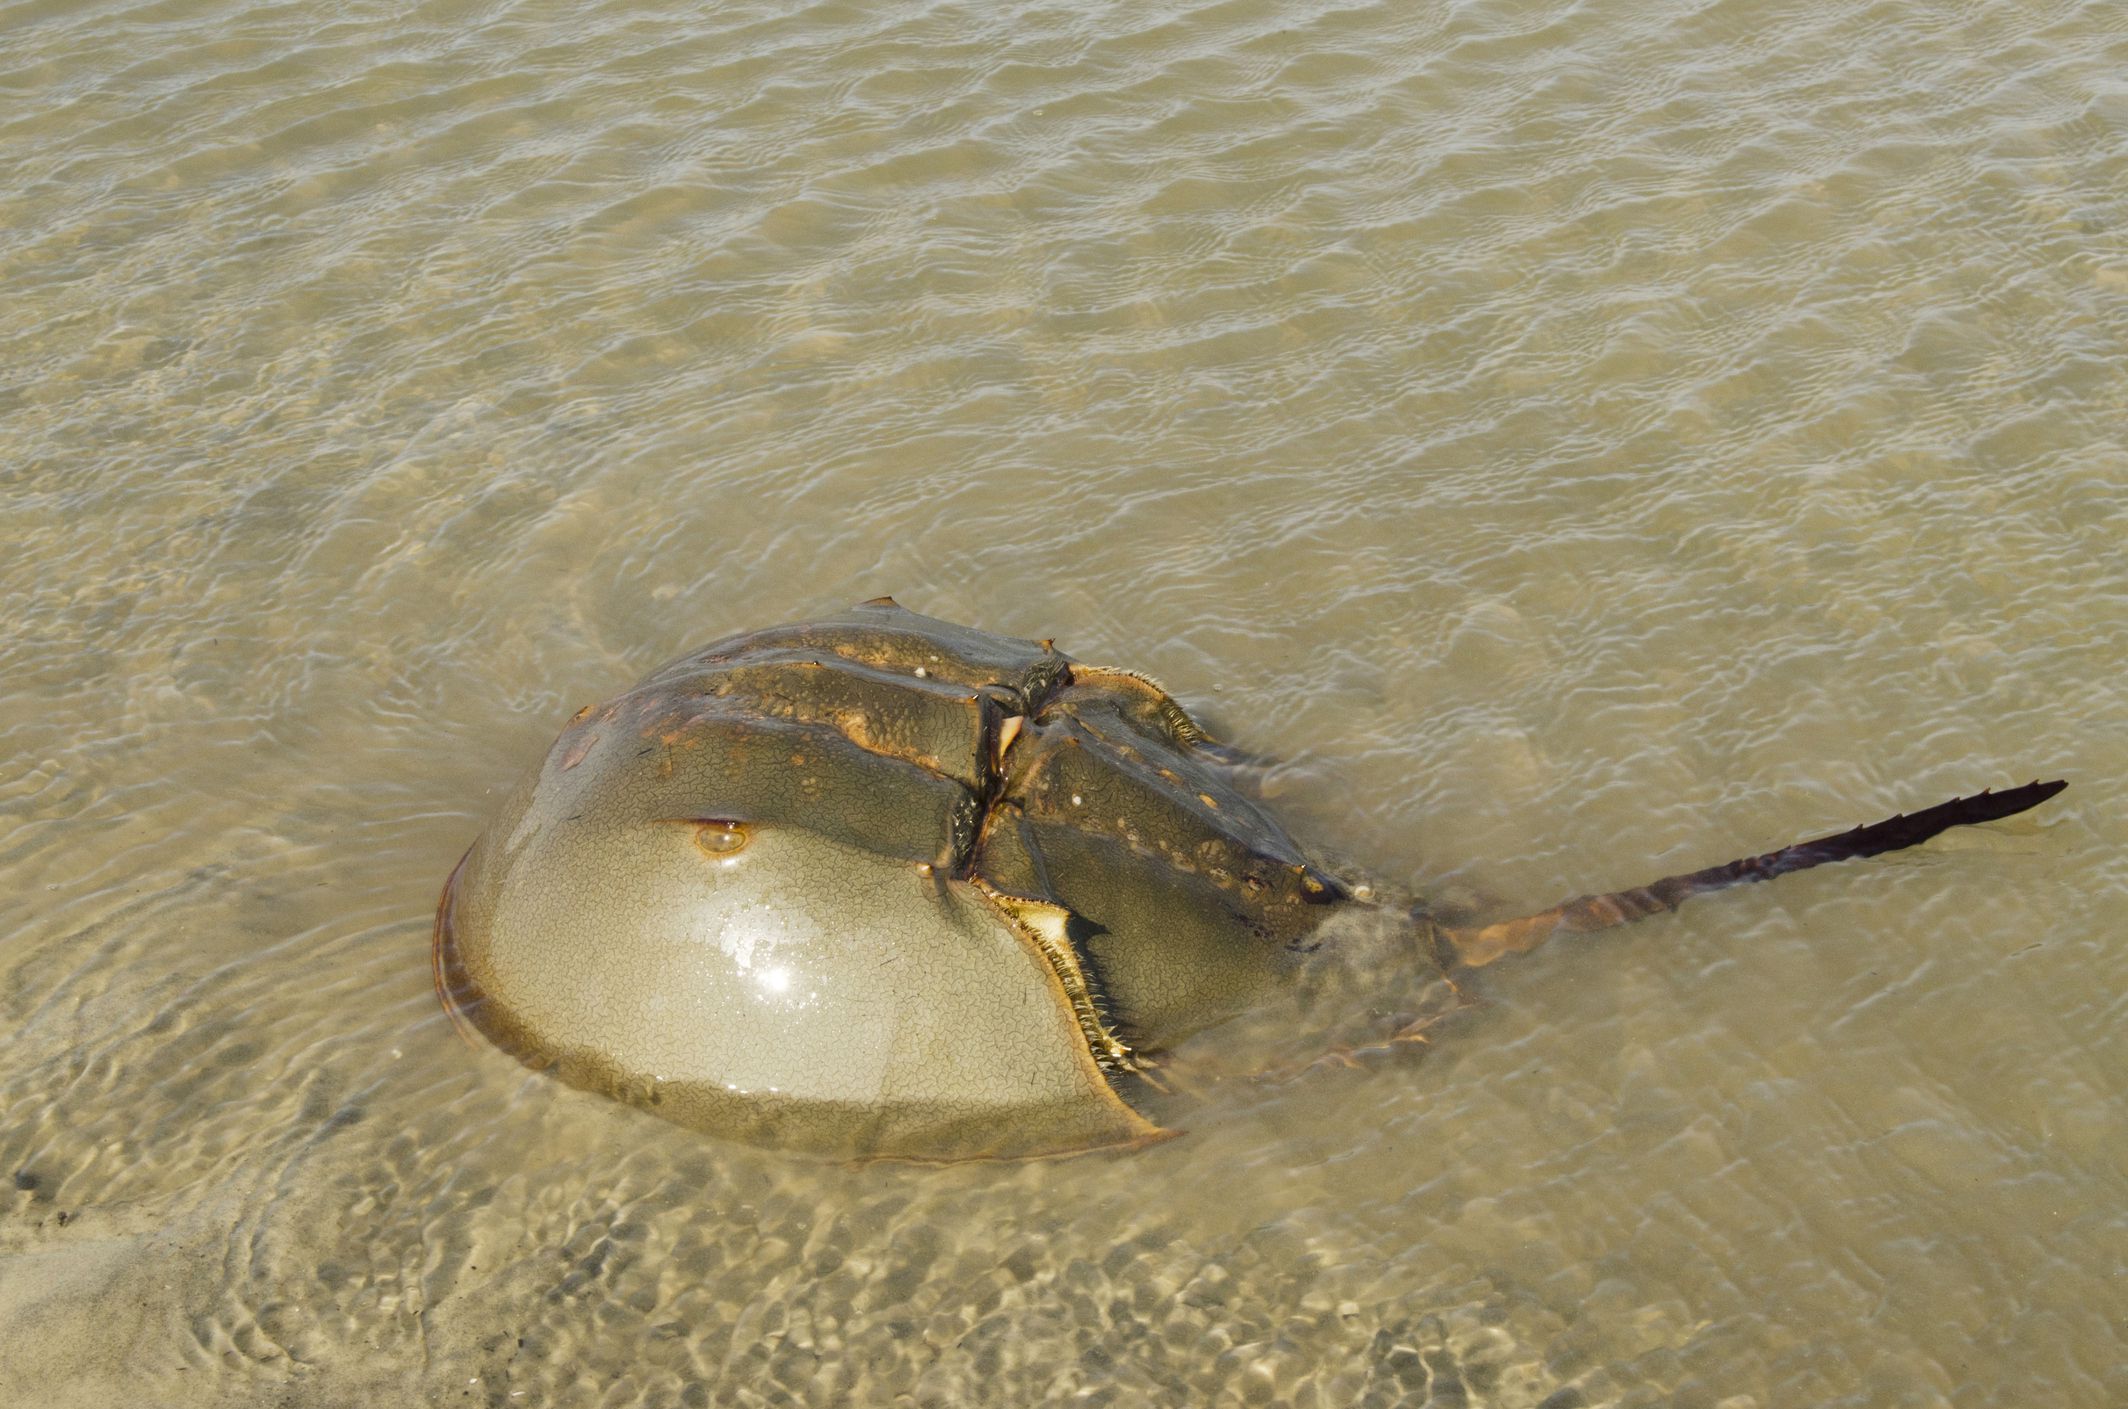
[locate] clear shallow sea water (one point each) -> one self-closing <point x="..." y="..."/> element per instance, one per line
<point x="1584" y="441"/>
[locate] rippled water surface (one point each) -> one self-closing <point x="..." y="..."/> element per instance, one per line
<point x="1584" y="440"/>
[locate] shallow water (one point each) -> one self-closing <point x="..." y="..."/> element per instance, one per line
<point x="1584" y="440"/>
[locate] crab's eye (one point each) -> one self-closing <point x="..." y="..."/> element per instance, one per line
<point x="721" y="838"/>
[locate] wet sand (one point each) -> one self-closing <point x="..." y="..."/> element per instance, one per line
<point x="1582" y="442"/>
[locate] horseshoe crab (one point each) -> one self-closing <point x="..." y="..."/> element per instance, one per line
<point x="879" y="885"/>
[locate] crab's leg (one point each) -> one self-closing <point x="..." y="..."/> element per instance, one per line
<point x="1476" y="945"/>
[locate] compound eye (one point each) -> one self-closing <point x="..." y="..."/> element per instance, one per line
<point x="720" y="838"/>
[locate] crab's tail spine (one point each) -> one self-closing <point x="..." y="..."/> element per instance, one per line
<point x="1473" y="946"/>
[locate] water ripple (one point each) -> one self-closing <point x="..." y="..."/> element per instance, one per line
<point x="1577" y="441"/>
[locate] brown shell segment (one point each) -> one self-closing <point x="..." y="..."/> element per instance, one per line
<point x="1144" y="795"/>
<point x="933" y="724"/>
<point x="703" y="755"/>
<point x="886" y="637"/>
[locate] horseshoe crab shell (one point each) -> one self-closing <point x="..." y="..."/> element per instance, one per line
<point x="876" y="885"/>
